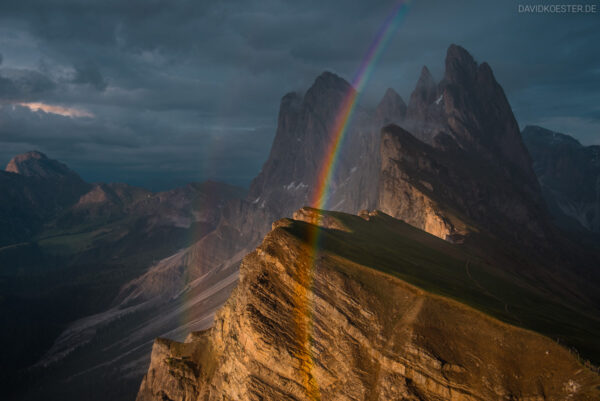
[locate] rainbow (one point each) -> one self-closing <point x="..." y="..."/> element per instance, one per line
<point x="303" y="311"/>
<point x="346" y="110"/>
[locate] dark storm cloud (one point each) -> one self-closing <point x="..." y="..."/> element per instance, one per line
<point x="88" y="73"/>
<point x="23" y="84"/>
<point x="190" y="89"/>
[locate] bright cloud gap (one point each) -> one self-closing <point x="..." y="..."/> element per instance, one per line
<point x="60" y="110"/>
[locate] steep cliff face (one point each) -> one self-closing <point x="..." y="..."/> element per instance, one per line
<point x="341" y="326"/>
<point x="302" y="132"/>
<point x="569" y="174"/>
<point x="409" y="172"/>
<point x="450" y="192"/>
<point x="469" y="106"/>
<point x="288" y="178"/>
<point x="464" y="168"/>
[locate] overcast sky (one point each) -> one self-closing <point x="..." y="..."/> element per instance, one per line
<point x="159" y="93"/>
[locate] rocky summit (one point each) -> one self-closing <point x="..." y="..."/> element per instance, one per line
<point x="34" y="190"/>
<point x="364" y="320"/>
<point x="37" y="164"/>
<point x="469" y="106"/>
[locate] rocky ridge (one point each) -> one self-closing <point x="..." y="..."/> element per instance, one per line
<point x="339" y="330"/>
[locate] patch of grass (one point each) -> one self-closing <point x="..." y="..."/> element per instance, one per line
<point x="71" y="243"/>
<point x="400" y="250"/>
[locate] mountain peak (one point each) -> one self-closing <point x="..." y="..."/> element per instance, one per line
<point x="391" y="107"/>
<point x="330" y="81"/>
<point x="37" y="164"/>
<point x="460" y="65"/>
<point x="426" y="81"/>
<point x="32" y="154"/>
<point x="327" y="93"/>
<point x="422" y="96"/>
<point x="534" y="133"/>
<point x="391" y="93"/>
<point x="391" y="96"/>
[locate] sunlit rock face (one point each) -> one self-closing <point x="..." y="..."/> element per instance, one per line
<point x="37" y="164"/>
<point x="458" y="163"/>
<point x="405" y="191"/>
<point x="300" y="328"/>
<point x="451" y="194"/>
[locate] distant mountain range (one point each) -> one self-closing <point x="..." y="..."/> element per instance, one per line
<point x="67" y="247"/>
<point x="451" y="163"/>
<point x="569" y="174"/>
